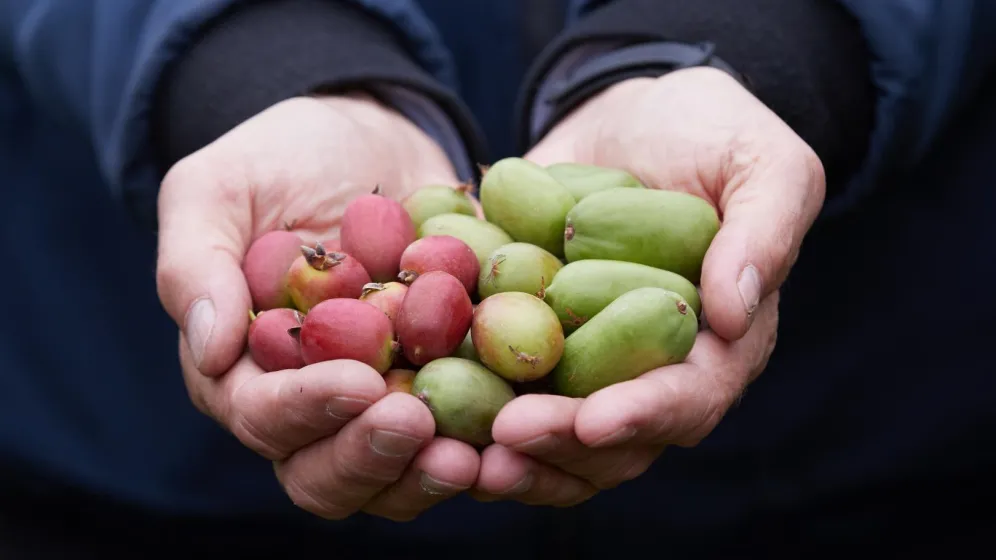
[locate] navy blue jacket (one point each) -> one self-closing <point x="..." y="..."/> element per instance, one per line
<point x="881" y="382"/>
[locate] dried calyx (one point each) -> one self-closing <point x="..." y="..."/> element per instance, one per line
<point x="320" y="259"/>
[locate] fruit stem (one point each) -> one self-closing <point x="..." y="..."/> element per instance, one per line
<point x="523" y="357"/>
<point x="319" y="259"/>
<point x="569" y="231"/>
<point x="295" y="333"/>
<point x="377" y="189"/>
<point x="371" y="288"/>
<point x="252" y="316"/>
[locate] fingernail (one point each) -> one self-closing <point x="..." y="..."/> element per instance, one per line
<point x="344" y="408"/>
<point x="622" y="435"/>
<point x="521" y="486"/>
<point x="438" y="487"/>
<point x="749" y="284"/>
<point x="197" y="327"/>
<point x="393" y="444"/>
<point x="540" y="444"/>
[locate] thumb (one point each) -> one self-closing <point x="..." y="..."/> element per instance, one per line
<point x="764" y="222"/>
<point x="203" y="230"/>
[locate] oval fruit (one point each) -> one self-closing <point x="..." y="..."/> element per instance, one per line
<point x="386" y="297"/>
<point x="521" y="198"/>
<point x="518" y="267"/>
<point x="663" y="229"/>
<point x="441" y="252"/>
<point x="517" y="336"/>
<point x="399" y="380"/>
<point x="643" y="329"/>
<point x="434" y="317"/>
<point x="375" y="231"/>
<point x="348" y="329"/>
<point x="265" y="267"/>
<point x="466" y="349"/>
<point x="272" y="340"/>
<point x="318" y="275"/>
<point x="482" y="237"/>
<point x="433" y="200"/>
<point x="464" y="398"/>
<point x="583" y="288"/>
<point x="582" y="179"/>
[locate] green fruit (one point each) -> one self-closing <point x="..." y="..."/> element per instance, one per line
<point x="641" y="330"/>
<point x="433" y="200"/>
<point x="466" y="349"/>
<point x="518" y="267"/>
<point x="464" y="398"/>
<point x="483" y="237"/>
<point x="517" y="336"/>
<point x="583" y="180"/>
<point x="663" y="229"/>
<point x="523" y="199"/>
<point x="583" y="288"/>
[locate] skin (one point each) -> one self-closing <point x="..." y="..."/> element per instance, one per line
<point x="695" y="130"/>
<point x="340" y="444"/>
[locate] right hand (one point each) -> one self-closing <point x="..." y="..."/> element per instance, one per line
<point x="340" y="444"/>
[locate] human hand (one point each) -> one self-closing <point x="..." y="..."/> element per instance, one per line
<point x="698" y="131"/>
<point x="339" y="443"/>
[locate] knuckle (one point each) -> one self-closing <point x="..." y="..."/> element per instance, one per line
<point x="253" y="436"/>
<point x="374" y="472"/>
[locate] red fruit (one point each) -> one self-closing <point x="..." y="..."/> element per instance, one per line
<point x="386" y="297"/>
<point x="273" y="342"/>
<point x="265" y="268"/>
<point x="399" y="380"/>
<point x="317" y="275"/>
<point x="441" y="252"/>
<point x="375" y="230"/>
<point x="348" y="329"/>
<point x="434" y="318"/>
<point x="332" y="245"/>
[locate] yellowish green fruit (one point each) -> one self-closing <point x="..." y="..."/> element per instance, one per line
<point x="582" y="179"/>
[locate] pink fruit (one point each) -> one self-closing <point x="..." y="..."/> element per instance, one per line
<point x="375" y="230"/>
<point x="265" y="268"/>
<point x="332" y="245"/>
<point x="386" y="297"/>
<point x="317" y="275"/>
<point x="348" y="329"/>
<point x="441" y="252"/>
<point x="399" y="380"/>
<point x="273" y="342"/>
<point x="434" y="318"/>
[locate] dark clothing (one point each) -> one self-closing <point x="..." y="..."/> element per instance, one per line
<point x="872" y="426"/>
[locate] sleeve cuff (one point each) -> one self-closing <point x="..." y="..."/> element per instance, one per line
<point x="805" y="59"/>
<point x="266" y="52"/>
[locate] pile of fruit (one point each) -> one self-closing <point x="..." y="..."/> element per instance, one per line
<point x="578" y="277"/>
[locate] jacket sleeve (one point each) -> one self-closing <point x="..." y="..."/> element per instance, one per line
<point x="926" y="60"/>
<point x="97" y="65"/>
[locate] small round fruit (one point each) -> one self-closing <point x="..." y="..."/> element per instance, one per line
<point x="517" y="336"/>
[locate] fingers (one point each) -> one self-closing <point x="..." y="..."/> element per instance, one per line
<point x="506" y="474"/>
<point x="542" y="427"/>
<point x="204" y="222"/>
<point x="334" y="477"/>
<point x="765" y="218"/>
<point x="279" y="412"/>
<point x="443" y="469"/>
<point x="681" y="403"/>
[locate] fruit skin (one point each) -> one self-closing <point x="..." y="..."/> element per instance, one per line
<point x="441" y="252"/>
<point x="348" y="329"/>
<point x="273" y="342"/>
<point x="466" y="349"/>
<point x="399" y="380"/>
<point x="332" y="245"/>
<point x="433" y="200"/>
<point x="520" y="197"/>
<point x="386" y="297"/>
<point x="663" y="229"/>
<point x="317" y="275"/>
<point x="464" y="398"/>
<point x="582" y="179"/>
<point x="434" y="318"/>
<point x="482" y="237"/>
<point x="518" y="267"/>
<point x="517" y="336"/>
<point x="583" y="288"/>
<point x="641" y="330"/>
<point x="265" y="267"/>
<point x="375" y="230"/>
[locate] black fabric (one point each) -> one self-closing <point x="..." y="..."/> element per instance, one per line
<point x="267" y="51"/>
<point x="805" y="59"/>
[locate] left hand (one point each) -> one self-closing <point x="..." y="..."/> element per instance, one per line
<point x="695" y="130"/>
